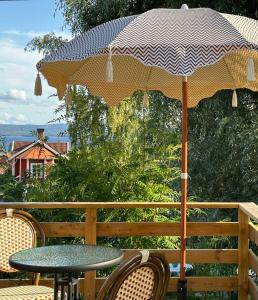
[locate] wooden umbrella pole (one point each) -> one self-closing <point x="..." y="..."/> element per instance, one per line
<point x="182" y="281"/>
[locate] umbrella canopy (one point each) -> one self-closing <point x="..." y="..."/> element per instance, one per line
<point x="149" y="51"/>
<point x="155" y="51"/>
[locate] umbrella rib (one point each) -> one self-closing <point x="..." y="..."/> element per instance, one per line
<point x="80" y="66"/>
<point x="229" y="72"/>
<point x="148" y="78"/>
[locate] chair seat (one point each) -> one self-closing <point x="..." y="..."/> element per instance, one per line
<point x="28" y="292"/>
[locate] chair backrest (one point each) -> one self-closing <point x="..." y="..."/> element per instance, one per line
<point x="18" y="231"/>
<point x="144" y="276"/>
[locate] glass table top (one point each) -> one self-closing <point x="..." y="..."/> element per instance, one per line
<point x="66" y="258"/>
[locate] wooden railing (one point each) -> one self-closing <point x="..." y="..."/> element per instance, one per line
<point x="248" y="212"/>
<point x="90" y="229"/>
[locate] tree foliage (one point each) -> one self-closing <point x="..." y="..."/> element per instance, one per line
<point x="2" y="144"/>
<point x="82" y="15"/>
<point x="45" y="44"/>
<point x="10" y="188"/>
<point x="223" y="148"/>
<point x="114" y="156"/>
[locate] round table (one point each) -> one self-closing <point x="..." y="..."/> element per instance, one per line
<point x="66" y="260"/>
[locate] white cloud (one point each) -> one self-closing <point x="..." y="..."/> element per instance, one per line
<point x="21" y="118"/>
<point x="29" y="34"/>
<point x="33" y="34"/>
<point x="13" y="95"/>
<point x="7" y="118"/>
<point x="18" y="73"/>
<point x="18" y="94"/>
<point x="12" y="53"/>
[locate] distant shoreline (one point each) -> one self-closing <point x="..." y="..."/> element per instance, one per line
<point x="28" y="135"/>
<point x="29" y="138"/>
<point x="25" y="130"/>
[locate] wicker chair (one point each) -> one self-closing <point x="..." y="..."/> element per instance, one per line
<point x="18" y="231"/>
<point x="144" y="276"/>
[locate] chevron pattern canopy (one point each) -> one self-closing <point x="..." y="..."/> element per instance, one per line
<point x="153" y="50"/>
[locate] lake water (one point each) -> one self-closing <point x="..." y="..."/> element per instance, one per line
<point x="9" y="138"/>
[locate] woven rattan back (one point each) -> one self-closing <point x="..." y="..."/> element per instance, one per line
<point x="138" y="279"/>
<point x="18" y="231"/>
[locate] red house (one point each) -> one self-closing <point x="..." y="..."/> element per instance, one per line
<point x="34" y="158"/>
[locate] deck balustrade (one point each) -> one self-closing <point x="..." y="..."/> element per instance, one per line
<point x="244" y="229"/>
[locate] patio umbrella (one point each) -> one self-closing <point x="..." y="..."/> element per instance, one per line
<point x="200" y="50"/>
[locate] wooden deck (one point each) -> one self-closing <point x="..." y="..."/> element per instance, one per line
<point x="90" y="229"/>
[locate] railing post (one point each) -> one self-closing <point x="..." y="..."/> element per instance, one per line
<point x="243" y="249"/>
<point x="90" y="238"/>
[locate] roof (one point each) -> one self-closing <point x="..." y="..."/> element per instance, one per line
<point x="18" y="145"/>
<point x="21" y="149"/>
<point x="37" y="152"/>
<point x="60" y="147"/>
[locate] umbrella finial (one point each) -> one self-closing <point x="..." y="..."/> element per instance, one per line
<point x="184" y="6"/>
<point x="234" y="99"/>
<point x="251" y="76"/>
<point x="109" y="70"/>
<point x="38" y="86"/>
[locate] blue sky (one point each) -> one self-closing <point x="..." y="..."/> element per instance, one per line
<point x="20" y="21"/>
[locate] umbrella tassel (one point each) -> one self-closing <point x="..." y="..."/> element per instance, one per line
<point x="109" y="67"/>
<point x="38" y="86"/>
<point x="234" y="99"/>
<point x="146" y="102"/>
<point x="251" y="76"/>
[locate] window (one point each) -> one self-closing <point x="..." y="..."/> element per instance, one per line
<point x="37" y="170"/>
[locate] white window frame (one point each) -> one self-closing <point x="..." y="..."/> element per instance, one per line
<point x="42" y="170"/>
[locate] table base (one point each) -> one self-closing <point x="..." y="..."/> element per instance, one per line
<point x="69" y="287"/>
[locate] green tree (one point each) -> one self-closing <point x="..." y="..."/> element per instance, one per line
<point x="10" y="188"/>
<point x="110" y="163"/>
<point x="223" y="148"/>
<point x="82" y="15"/>
<point x="45" y="44"/>
<point x="2" y="144"/>
<point x="110" y="155"/>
